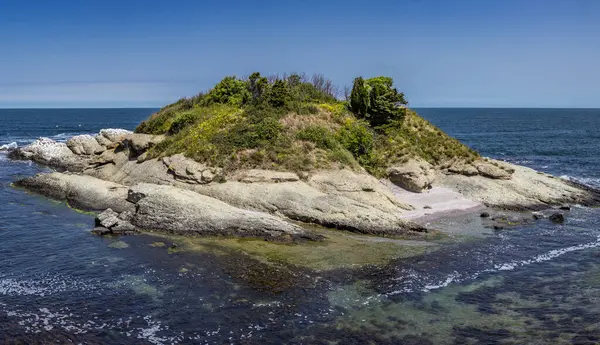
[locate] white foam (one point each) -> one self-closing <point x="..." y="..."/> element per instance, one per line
<point x="7" y="147"/>
<point x="592" y="182"/>
<point x="457" y="277"/>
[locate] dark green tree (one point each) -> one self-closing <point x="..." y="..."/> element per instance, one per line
<point x="359" y="98"/>
<point x="386" y="103"/>
<point x="258" y="86"/>
<point x="377" y="100"/>
<point x="279" y="97"/>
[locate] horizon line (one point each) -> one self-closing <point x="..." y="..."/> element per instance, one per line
<point x="416" y="107"/>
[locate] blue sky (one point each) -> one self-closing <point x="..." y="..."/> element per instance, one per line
<point x="509" y="53"/>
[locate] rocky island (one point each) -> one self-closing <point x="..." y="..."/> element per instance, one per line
<point x="276" y="158"/>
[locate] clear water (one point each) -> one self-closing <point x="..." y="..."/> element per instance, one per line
<point x="533" y="285"/>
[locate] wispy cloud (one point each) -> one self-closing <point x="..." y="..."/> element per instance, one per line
<point x="93" y="93"/>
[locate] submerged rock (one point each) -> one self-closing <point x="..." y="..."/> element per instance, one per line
<point x="557" y="218"/>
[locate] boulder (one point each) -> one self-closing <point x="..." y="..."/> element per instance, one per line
<point x="112" y="135"/>
<point x="113" y="223"/>
<point x="140" y="143"/>
<point x="181" y="211"/>
<point x="415" y="176"/>
<point x="189" y="171"/>
<point x="107" y="219"/>
<point x="85" y="145"/>
<point x="484" y="215"/>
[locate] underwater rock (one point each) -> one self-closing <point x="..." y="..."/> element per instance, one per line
<point x="557" y="218"/>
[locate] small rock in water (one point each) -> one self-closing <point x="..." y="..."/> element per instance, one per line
<point x="101" y="231"/>
<point x="427" y="207"/>
<point x="485" y="215"/>
<point x="557" y="218"/>
<point x="565" y="207"/>
<point x="537" y="216"/>
<point x="498" y="227"/>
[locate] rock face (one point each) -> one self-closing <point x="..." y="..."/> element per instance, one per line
<point x="414" y="176"/>
<point x="155" y="207"/>
<point x="80" y="191"/>
<point x="181" y="211"/>
<point x="189" y="171"/>
<point x="302" y="202"/>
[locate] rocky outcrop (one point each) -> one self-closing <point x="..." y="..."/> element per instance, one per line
<point x="140" y="143"/>
<point x="85" y="145"/>
<point x="525" y="190"/>
<point x="302" y="202"/>
<point x="49" y="152"/>
<point x="493" y="171"/>
<point x="189" y="171"/>
<point x="80" y="191"/>
<point x="182" y="211"/>
<point x="415" y="176"/>
<point x="483" y="167"/>
<point x="164" y="208"/>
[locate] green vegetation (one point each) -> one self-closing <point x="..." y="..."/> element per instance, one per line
<point x="296" y="123"/>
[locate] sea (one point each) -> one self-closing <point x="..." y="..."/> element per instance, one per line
<point x="535" y="284"/>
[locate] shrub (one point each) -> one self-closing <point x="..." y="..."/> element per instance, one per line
<point x="230" y="91"/>
<point x="185" y="119"/>
<point x="320" y="136"/>
<point x="356" y="137"/>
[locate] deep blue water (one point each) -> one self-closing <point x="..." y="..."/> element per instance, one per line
<point x="535" y="285"/>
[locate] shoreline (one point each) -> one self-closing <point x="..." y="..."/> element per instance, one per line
<point x="175" y="195"/>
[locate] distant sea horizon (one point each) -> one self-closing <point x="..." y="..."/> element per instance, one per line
<point x="411" y="107"/>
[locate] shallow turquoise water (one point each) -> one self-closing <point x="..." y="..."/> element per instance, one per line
<point x="532" y="285"/>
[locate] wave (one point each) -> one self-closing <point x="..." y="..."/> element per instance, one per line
<point x="7" y="147"/>
<point x="588" y="181"/>
<point x="457" y="277"/>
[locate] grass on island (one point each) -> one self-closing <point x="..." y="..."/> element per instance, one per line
<point x="291" y="123"/>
